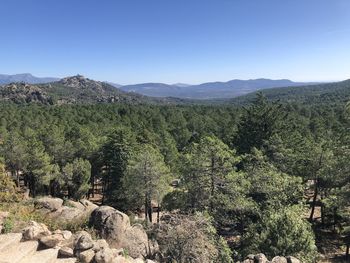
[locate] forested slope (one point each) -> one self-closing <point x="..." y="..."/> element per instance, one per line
<point x="247" y="177"/>
<point x="329" y="93"/>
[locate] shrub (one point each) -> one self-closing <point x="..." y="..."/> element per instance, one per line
<point x="8" y="225"/>
<point x="283" y="232"/>
<point x="8" y="191"/>
<point x="192" y="238"/>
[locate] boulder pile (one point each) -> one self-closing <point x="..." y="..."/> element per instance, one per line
<point x="115" y="227"/>
<point x="70" y="210"/>
<point x="80" y="245"/>
<point x="261" y="258"/>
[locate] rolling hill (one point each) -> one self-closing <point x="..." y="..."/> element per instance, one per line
<point x="210" y="90"/>
<point x="25" y="77"/>
<point x="327" y="93"/>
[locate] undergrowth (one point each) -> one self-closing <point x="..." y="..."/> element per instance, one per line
<point x="21" y="213"/>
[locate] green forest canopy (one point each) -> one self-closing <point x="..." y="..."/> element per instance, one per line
<point x="246" y="167"/>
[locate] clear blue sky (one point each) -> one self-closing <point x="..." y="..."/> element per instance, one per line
<point x="191" y="41"/>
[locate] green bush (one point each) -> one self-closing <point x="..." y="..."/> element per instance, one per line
<point x="284" y="233"/>
<point x="8" y="225"/>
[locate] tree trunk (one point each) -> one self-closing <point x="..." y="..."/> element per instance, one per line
<point x="314" y="201"/>
<point x="347" y="251"/>
<point x="150" y="213"/>
<point x="92" y="180"/>
<point x="150" y="210"/>
<point x="146" y="206"/>
<point x="212" y="186"/>
<point x="322" y="213"/>
<point x="335" y="221"/>
<point x="17" y="177"/>
<point x="158" y="214"/>
<point x="32" y="185"/>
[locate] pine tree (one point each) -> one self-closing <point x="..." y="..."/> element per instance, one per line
<point x="206" y="167"/>
<point x="257" y="124"/>
<point x="78" y="175"/>
<point x="148" y="178"/>
<point x="115" y="156"/>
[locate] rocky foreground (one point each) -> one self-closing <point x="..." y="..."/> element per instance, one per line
<point x="120" y="241"/>
<point x="37" y="244"/>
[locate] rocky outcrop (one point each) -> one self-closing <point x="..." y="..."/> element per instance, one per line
<point x="48" y="203"/>
<point x="261" y="258"/>
<point x="115" y="227"/>
<point x="37" y="244"/>
<point x="279" y="259"/>
<point x="70" y="211"/>
<point x="80" y="82"/>
<point x="35" y="231"/>
<point x="24" y="93"/>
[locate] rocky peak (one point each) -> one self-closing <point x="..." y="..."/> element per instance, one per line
<point x="80" y="82"/>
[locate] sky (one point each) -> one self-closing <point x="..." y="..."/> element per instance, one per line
<point x="171" y="41"/>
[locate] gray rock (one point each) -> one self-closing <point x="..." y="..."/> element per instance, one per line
<point x="48" y="203"/>
<point x="135" y="241"/>
<point x="89" y="206"/>
<point x="110" y="223"/>
<point x="121" y="259"/>
<point x="52" y="240"/>
<point x="291" y="259"/>
<point x="104" y="255"/>
<point x="53" y="208"/>
<point x="260" y="258"/>
<point x="35" y="231"/>
<point x="117" y="252"/>
<point x="100" y="244"/>
<point x="66" y="234"/>
<point x="66" y="252"/>
<point x="73" y="204"/>
<point x="83" y="241"/>
<point x="279" y="259"/>
<point x="114" y="226"/>
<point x="86" y="256"/>
<point x="68" y="213"/>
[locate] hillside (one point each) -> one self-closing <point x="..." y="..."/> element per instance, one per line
<point x="70" y="90"/>
<point x="328" y="93"/>
<point x="210" y="90"/>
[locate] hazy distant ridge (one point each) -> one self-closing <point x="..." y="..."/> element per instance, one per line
<point x="210" y="90"/>
<point x="25" y="77"/>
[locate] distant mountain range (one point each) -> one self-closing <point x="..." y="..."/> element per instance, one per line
<point x="25" y="77"/>
<point x="73" y="90"/>
<point x="210" y="90"/>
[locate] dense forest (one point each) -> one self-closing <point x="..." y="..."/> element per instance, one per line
<point x="268" y="177"/>
<point x="316" y="94"/>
